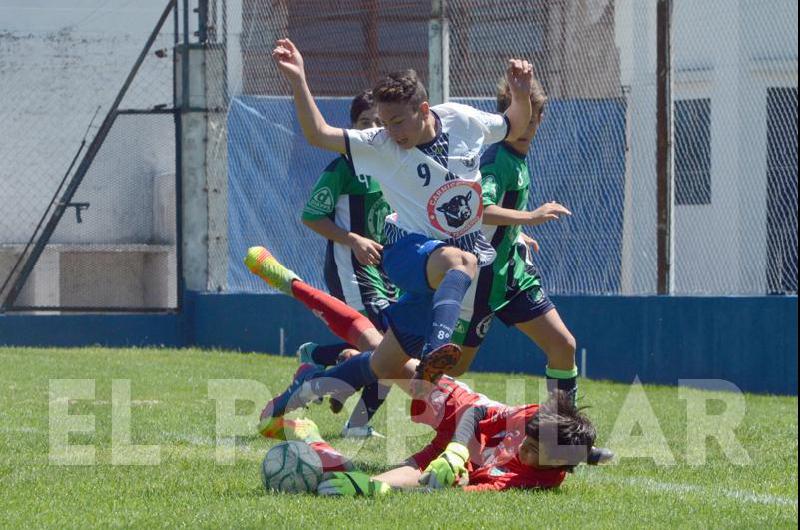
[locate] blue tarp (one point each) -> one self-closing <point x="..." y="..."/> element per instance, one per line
<point x="578" y="159"/>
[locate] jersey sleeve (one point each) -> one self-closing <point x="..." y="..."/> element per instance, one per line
<point x="325" y="194"/>
<point x="514" y="482"/>
<point x="492" y="186"/>
<point x="495" y="126"/>
<point x="369" y="150"/>
<point x="495" y="177"/>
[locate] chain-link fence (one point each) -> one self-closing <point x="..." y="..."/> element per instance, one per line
<point x="734" y="90"/>
<point x="61" y="68"/>
<point x="734" y="141"/>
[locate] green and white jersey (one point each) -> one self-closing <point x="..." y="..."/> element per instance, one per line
<point x="354" y="203"/>
<point x="506" y="183"/>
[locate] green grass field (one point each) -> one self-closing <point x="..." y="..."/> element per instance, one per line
<point x="189" y="485"/>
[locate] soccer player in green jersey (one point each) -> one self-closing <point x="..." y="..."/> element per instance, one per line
<point x="349" y="211"/>
<point x="511" y="288"/>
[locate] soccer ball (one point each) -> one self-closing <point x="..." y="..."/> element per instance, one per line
<point x="291" y="467"/>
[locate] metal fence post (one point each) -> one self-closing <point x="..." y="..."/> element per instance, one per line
<point x="439" y="53"/>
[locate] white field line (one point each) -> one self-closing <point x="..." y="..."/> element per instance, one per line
<point x="653" y="485"/>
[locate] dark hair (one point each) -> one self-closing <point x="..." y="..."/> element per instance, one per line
<point x="400" y="87"/>
<point x="559" y="419"/>
<point x="538" y="95"/>
<point x="363" y="101"/>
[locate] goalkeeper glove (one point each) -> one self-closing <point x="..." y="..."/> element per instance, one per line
<point x="448" y="468"/>
<point x="351" y="484"/>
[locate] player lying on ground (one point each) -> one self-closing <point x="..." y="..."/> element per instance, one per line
<point x="479" y="444"/>
<point x="311" y="381"/>
<point x="425" y="159"/>
<point x="349" y="211"/>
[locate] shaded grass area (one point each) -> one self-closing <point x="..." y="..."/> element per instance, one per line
<point x="187" y="478"/>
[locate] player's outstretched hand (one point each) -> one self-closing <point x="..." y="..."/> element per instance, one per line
<point x="288" y="59"/>
<point x="529" y="242"/>
<point x="519" y="75"/>
<point x="351" y="484"/>
<point x="448" y="469"/>
<point x="549" y="211"/>
<point x="367" y="251"/>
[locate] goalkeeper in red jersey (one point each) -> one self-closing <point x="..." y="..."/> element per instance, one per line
<point x="479" y="445"/>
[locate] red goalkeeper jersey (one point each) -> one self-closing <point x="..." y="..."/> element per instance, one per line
<point x="493" y="464"/>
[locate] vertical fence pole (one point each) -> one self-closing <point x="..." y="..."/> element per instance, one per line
<point x="664" y="189"/>
<point x="439" y="53"/>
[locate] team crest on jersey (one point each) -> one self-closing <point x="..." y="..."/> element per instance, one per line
<point x="470" y="161"/>
<point x="376" y="218"/>
<point x="489" y="185"/>
<point x="370" y="135"/>
<point x="456" y="207"/>
<point x="321" y="202"/>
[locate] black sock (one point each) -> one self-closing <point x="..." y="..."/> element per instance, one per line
<point x="328" y="354"/>
<point x="372" y="397"/>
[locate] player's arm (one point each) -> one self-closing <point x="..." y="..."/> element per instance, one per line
<point x="451" y="466"/>
<point x="519" y="75"/>
<point x="494" y="214"/>
<point x="367" y="251"/>
<point x="315" y="128"/>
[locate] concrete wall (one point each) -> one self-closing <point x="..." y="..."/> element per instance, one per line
<point x="60" y="62"/>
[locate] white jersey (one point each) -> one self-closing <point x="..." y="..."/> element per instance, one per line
<point x="435" y="189"/>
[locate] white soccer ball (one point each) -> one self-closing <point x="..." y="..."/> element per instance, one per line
<point x="291" y="467"/>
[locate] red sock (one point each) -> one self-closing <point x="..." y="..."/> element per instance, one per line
<point x="332" y="460"/>
<point x="344" y="321"/>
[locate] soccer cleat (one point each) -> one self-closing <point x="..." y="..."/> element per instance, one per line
<point x="280" y="428"/>
<point x="272" y="427"/>
<point x="264" y="265"/>
<point x="599" y="455"/>
<point x="305" y="352"/>
<point x="303" y="430"/>
<point x="437" y="362"/>
<point x="297" y="395"/>
<point x="367" y="431"/>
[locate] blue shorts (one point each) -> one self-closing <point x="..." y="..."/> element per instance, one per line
<point x="405" y="262"/>
<point x="525" y="306"/>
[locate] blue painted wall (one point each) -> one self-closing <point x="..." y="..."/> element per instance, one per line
<point x="120" y="330"/>
<point x="751" y="342"/>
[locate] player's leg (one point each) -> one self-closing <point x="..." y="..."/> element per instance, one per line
<point x="408" y="262"/>
<point x="550" y="333"/>
<point x="474" y="322"/>
<point x="343" y="321"/>
<point x="450" y="271"/>
<point x="534" y="314"/>
<point x="306" y="431"/>
<point x="375" y="294"/>
<point x="311" y="382"/>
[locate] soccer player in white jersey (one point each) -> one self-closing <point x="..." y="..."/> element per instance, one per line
<point x="426" y="160"/>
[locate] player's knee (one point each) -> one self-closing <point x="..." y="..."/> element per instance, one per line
<point x="465" y="262"/>
<point x="569" y="344"/>
<point x="563" y="347"/>
<point x="469" y="263"/>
